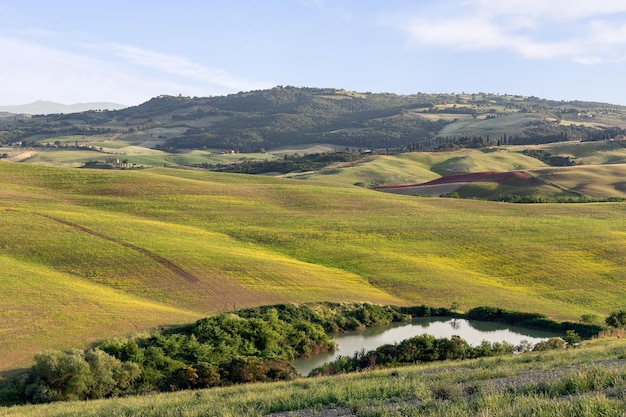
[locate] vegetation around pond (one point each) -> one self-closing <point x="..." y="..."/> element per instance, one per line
<point x="250" y="345"/>
<point x="246" y="346"/>
<point x="586" y="381"/>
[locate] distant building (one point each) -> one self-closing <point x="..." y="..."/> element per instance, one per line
<point x="113" y="161"/>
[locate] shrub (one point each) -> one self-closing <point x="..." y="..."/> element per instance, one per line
<point x="445" y="392"/>
<point x="550" y="344"/>
<point x="58" y="376"/>
<point x="616" y="319"/>
<point x="572" y="338"/>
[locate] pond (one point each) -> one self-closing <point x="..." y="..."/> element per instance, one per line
<point x="473" y="331"/>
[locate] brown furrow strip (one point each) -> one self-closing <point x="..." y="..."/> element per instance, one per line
<point x="159" y="259"/>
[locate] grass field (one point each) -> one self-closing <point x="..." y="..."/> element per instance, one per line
<point x="588" y="381"/>
<point x="511" y="124"/>
<point x="591" y="180"/>
<point x="419" y="167"/>
<point x="137" y="155"/>
<point x="591" y="153"/>
<point x="600" y="175"/>
<point x="172" y="245"/>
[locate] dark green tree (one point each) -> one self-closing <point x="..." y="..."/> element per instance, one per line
<point x="616" y="319"/>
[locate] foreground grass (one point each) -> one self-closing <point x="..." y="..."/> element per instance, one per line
<point x="587" y="381"/>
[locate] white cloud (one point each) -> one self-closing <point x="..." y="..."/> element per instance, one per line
<point x="179" y="66"/>
<point x="470" y="33"/>
<point x="30" y="72"/>
<point x="51" y="67"/>
<point x="582" y="31"/>
<point x="553" y="10"/>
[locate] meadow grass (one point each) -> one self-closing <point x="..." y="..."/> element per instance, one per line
<point x="586" y="153"/>
<point x="112" y="144"/>
<point x="200" y="242"/>
<point x="44" y="308"/>
<point x="592" y="180"/>
<point x="586" y="381"/>
<point x="511" y="124"/>
<point x="133" y="152"/>
<point x="64" y="157"/>
<point x="600" y="176"/>
<point x="419" y="167"/>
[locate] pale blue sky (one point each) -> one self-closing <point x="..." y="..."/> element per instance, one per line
<point x="129" y="51"/>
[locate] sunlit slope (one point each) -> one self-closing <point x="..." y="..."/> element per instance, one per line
<point x="182" y="266"/>
<point x="201" y="242"/>
<point x="588" y="153"/>
<point x="496" y="127"/>
<point x="134" y="155"/>
<point x="419" y="167"/>
<point x="601" y="174"/>
<point x="43" y="308"/>
<point x="591" y="180"/>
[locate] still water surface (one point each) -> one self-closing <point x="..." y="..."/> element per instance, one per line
<point x="474" y="332"/>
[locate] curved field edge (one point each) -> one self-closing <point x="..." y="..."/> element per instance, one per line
<point x="589" y="380"/>
<point x="243" y="241"/>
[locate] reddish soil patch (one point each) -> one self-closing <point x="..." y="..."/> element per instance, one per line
<point x="515" y="178"/>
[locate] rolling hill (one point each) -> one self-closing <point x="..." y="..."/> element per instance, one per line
<point x="90" y="254"/>
<point x="94" y="253"/>
<point x="265" y="120"/>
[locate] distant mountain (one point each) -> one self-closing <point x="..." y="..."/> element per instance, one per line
<point x="49" y="107"/>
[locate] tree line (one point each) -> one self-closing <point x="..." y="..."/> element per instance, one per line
<point x="289" y="163"/>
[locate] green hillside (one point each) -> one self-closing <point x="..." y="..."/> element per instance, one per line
<point x="90" y="254"/>
<point x="266" y="120"/>
<point x="419" y="167"/>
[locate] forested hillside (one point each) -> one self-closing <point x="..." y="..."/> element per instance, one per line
<point x="286" y="116"/>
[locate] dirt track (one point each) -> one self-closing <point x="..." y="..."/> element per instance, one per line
<point x="160" y="260"/>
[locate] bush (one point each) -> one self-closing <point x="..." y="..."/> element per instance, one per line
<point x="572" y="338"/>
<point x="59" y="376"/>
<point x="550" y="344"/>
<point x="445" y="392"/>
<point x="252" y="369"/>
<point x="616" y="319"/>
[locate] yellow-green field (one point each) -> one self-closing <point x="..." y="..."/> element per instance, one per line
<point x="591" y="180"/>
<point x="90" y="254"/>
<point x="134" y="155"/>
<point x="418" y="167"/>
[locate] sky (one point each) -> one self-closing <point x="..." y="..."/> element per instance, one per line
<point x="127" y="52"/>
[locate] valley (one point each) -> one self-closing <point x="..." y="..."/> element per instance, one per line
<point x="115" y="223"/>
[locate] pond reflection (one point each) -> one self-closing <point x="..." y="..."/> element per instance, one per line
<point x="474" y="332"/>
